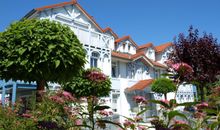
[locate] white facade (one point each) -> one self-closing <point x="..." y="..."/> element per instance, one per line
<point x="118" y="58"/>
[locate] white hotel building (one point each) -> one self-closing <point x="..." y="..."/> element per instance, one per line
<point x="132" y="68"/>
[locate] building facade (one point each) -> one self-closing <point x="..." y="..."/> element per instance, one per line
<point x="132" y="68"/>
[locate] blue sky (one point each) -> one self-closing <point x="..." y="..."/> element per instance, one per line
<point x="156" y="21"/>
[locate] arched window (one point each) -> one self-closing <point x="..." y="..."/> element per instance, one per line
<point x="94" y="60"/>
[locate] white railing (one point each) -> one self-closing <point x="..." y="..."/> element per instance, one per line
<point x="91" y="38"/>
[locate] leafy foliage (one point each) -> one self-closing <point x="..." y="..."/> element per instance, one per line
<point x="163" y="85"/>
<point x="36" y="50"/>
<point x="91" y="82"/>
<point x="201" y="53"/>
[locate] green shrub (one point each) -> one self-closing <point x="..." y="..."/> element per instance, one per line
<point x="164" y="86"/>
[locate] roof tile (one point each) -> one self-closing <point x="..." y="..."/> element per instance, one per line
<point x="141" y="85"/>
<point x="162" y="47"/>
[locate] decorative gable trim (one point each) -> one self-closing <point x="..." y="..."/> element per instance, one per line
<point x="73" y="2"/>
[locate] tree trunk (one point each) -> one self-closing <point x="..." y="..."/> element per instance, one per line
<point x="91" y="104"/>
<point x="40" y="88"/>
<point x="202" y="93"/>
<point x="41" y="85"/>
<point x="165" y="96"/>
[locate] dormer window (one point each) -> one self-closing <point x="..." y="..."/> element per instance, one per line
<point x="123" y="46"/>
<point x="129" y="47"/>
<point x="115" y="46"/>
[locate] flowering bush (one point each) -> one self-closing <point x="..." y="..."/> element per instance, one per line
<point x="182" y="68"/>
<point x="91" y="83"/>
<point x="11" y="119"/>
<point x="139" y="99"/>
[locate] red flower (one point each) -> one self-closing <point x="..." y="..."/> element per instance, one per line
<point x="139" y="99"/>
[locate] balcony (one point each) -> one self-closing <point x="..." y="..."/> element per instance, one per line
<point x="92" y="38"/>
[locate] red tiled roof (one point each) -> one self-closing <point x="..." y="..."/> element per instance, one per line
<point x="126" y="38"/>
<point x="56" y="5"/>
<point x="121" y="55"/>
<point x="158" y="64"/>
<point x="138" y="55"/>
<point x="141" y="85"/>
<point x="162" y="47"/>
<point x="72" y="2"/>
<point x="147" y="45"/>
<point x="110" y="30"/>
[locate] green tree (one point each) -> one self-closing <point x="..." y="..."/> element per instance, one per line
<point x="164" y="86"/>
<point x="41" y="51"/>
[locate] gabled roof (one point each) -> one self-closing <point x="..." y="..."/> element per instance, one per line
<point x="111" y="31"/>
<point x="126" y="38"/>
<point x="141" y="85"/>
<point x="72" y="2"/>
<point x="162" y="47"/>
<point x="147" y="45"/>
<point x="139" y="55"/>
<point x="121" y="55"/>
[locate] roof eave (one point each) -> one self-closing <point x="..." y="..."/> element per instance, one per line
<point x="33" y="11"/>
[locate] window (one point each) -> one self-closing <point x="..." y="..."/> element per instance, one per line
<point x="124" y="46"/>
<point x="115" y="46"/>
<point x="129" y="47"/>
<point x="157" y="73"/>
<point x="114" y="69"/>
<point x="94" y="60"/>
<point x="115" y="96"/>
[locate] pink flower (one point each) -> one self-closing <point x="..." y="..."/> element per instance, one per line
<point x="95" y="76"/>
<point x="26" y="115"/>
<point x="139" y="99"/>
<point x="165" y="101"/>
<point x="105" y="113"/>
<point x="202" y="105"/>
<point x="182" y="68"/>
<point x="57" y="99"/>
<point x="68" y="96"/>
<point x="179" y="122"/>
<point x="141" y="127"/>
<point x="128" y="123"/>
<point x="78" y="122"/>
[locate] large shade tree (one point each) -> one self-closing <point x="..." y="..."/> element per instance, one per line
<point x="41" y="51"/>
<point x="202" y="53"/>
